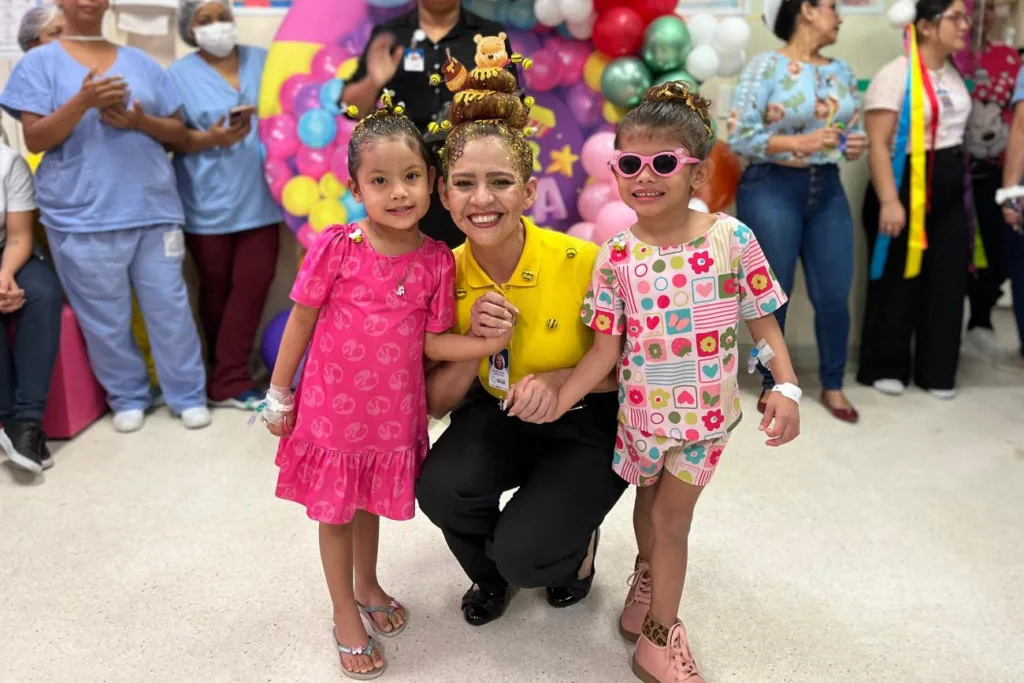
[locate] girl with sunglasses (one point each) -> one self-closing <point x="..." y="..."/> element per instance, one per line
<point x="666" y="298"/>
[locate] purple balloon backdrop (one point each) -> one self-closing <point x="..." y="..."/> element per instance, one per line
<point x="560" y="176"/>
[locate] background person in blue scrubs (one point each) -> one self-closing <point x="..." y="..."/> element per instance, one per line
<point x="231" y="220"/>
<point x="107" y="198"/>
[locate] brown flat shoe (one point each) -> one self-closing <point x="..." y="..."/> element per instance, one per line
<point x="845" y="414"/>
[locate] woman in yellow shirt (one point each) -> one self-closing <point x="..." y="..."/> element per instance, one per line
<point x="547" y="534"/>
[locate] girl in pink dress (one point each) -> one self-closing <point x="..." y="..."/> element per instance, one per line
<point x="371" y="300"/>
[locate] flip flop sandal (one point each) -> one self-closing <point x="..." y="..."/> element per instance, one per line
<point x="390" y="610"/>
<point x="367" y="650"/>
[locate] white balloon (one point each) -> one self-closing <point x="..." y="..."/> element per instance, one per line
<point x="549" y="12"/>
<point x="577" y="10"/>
<point x="702" y="29"/>
<point x="732" y="35"/>
<point x="699" y="205"/>
<point x="582" y="30"/>
<point x="702" y="63"/>
<point x="732" y="64"/>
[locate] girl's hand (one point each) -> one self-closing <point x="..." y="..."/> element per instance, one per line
<point x="284" y="427"/>
<point x="500" y="343"/>
<point x="892" y="218"/>
<point x="534" y="398"/>
<point x="1011" y="216"/>
<point x="278" y="411"/>
<point x="492" y="315"/>
<point x="786" y="416"/>
<point x="856" y="144"/>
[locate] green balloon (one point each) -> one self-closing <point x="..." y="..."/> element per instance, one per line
<point x="686" y="78"/>
<point x="666" y="44"/>
<point x="624" y="81"/>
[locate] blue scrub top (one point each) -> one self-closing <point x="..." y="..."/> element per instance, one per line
<point x="100" y="178"/>
<point x="223" y="189"/>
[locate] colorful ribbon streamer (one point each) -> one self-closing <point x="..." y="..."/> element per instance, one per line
<point x="911" y="126"/>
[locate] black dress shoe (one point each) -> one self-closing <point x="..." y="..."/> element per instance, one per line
<point x="566" y="596"/>
<point x="481" y="607"/>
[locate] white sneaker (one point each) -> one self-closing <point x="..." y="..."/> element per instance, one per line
<point x="196" y="418"/>
<point x="983" y="342"/>
<point x="129" y="421"/>
<point x="892" y="387"/>
<point x="943" y="394"/>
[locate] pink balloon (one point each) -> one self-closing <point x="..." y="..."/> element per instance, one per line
<point x="277" y="174"/>
<point x="339" y="163"/>
<point x="611" y="220"/>
<point x="290" y="90"/>
<point x="282" y="138"/>
<point x="313" y="162"/>
<point x="582" y="230"/>
<point x="595" y="197"/>
<point x="327" y="62"/>
<point x="596" y="153"/>
<point x="306" y="236"/>
<point x="345" y="128"/>
<point x="546" y="72"/>
<point x="573" y="55"/>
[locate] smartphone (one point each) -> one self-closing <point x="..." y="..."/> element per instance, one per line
<point x="240" y="114"/>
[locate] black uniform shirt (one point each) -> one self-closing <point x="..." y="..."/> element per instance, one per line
<point x="424" y="102"/>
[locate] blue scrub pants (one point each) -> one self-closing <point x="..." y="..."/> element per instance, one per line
<point x="99" y="270"/>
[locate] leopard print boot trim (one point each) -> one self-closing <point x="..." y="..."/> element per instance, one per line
<point x="655" y="632"/>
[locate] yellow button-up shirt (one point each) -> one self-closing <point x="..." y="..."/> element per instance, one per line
<point x="548" y="287"/>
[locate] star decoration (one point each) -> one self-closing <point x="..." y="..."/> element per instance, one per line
<point x="562" y="161"/>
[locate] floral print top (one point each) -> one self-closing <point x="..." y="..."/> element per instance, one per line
<point x="680" y="308"/>
<point x="776" y="95"/>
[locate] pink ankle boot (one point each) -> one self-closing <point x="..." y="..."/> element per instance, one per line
<point x="638" y="601"/>
<point x="670" y="664"/>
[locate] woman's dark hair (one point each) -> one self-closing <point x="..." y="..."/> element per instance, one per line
<point x="388" y="122"/>
<point x="785" y="20"/>
<point x="928" y="10"/>
<point x="671" y="108"/>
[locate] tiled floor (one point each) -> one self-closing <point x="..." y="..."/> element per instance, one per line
<point x="888" y="551"/>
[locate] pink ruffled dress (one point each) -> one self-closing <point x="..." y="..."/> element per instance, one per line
<point x="361" y="425"/>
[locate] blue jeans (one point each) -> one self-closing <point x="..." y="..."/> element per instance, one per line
<point x="803" y="213"/>
<point x="26" y="368"/>
<point x="99" y="270"/>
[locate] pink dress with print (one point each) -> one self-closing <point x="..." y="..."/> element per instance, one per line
<point x="361" y="427"/>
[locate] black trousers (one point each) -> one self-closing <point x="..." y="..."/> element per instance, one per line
<point x="929" y="307"/>
<point x="986" y="286"/>
<point x="566" y="487"/>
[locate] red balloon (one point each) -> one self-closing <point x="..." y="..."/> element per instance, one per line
<point x="605" y="5"/>
<point x="652" y="9"/>
<point x="619" y="31"/>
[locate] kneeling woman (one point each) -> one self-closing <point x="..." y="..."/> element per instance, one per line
<point x="920" y="265"/>
<point x="547" y="534"/>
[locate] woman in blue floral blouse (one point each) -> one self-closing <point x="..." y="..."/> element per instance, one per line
<point x="794" y="117"/>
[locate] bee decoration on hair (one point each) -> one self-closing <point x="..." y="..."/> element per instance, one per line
<point x="677" y="91"/>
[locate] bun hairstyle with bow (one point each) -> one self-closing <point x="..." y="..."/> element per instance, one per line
<point x="672" y="108"/>
<point x="487" y="103"/>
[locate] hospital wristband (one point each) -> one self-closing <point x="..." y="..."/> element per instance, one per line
<point x="789" y="390"/>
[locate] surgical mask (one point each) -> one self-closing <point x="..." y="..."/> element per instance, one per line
<point x="218" y="39"/>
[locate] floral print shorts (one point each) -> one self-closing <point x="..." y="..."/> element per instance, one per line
<point x="641" y="457"/>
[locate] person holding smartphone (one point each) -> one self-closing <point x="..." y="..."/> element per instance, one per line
<point x="232" y="224"/>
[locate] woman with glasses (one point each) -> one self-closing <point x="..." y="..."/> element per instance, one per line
<point x="231" y="220"/>
<point x="794" y="118"/>
<point x="919" y="234"/>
